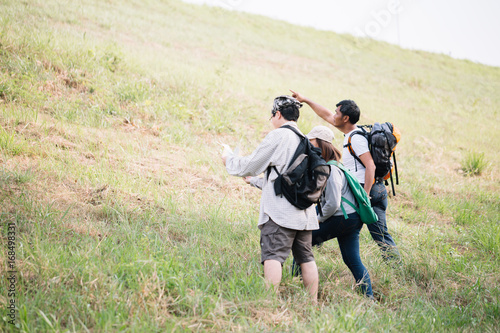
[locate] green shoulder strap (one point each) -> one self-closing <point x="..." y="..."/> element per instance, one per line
<point x="341" y="167"/>
<point x="364" y="209"/>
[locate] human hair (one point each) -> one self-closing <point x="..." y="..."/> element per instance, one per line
<point x="328" y="151"/>
<point x="350" y="108"/>
<point x="290" y="112"/>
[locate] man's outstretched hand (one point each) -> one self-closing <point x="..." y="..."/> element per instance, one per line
<point x="298" y="96"/>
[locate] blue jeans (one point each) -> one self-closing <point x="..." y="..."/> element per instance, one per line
<point x="347" y="234"/>
<point x="378" y="230"/>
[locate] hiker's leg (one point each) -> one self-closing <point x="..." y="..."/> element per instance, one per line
<point x="349" y="247"/>
<point x="272" y="273"/>
<point x="378" y="230"/>
<point x="275" y="243"/>
<point x="327" y="230"/>
<point x="310" y="278"/>
<point x="302" y="252"/>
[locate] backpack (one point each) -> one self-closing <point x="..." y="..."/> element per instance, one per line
<point x="382" y="141"/>
<point x="305" y="178"/>
<point x="364" y="209"/>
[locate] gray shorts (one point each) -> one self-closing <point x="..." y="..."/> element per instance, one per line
<point x="276" y="243"/>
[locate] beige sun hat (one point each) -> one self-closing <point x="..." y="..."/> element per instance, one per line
<point x="322" y="133"/>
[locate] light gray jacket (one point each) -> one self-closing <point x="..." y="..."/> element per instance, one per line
<point x="336" y="188"/>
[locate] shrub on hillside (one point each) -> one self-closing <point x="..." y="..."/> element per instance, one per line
<point x="474" y="163"/>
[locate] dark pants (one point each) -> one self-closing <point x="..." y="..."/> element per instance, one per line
<point x="378" y="230"/>
<point x="347" y="234"/>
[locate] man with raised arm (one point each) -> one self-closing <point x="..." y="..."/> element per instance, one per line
<point x="344" y="118"/>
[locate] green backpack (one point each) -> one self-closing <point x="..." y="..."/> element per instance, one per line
<point x="365" y="209"/>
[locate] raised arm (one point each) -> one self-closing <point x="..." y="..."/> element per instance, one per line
<point x="320" y="110"/>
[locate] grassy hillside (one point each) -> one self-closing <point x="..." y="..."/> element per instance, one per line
<point x="117" y="213"/>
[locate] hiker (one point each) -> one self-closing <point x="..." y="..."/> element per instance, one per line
<point x="344" y="118"/>
<point x="333" y="224"/>
<point x="283" y="226"/>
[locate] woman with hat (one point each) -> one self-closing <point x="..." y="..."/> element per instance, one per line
<point x="333" y="224"/>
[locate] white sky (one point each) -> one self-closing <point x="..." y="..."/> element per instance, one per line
<point x="463" y="29"/>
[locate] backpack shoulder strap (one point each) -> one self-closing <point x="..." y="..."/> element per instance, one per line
<point x="362" y="132"/>
<point x="269" y="169"/>
<point x="337" y="164"/>
<point x="293" y="130"/>
<point x="350" y="204"/>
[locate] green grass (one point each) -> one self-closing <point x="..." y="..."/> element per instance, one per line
<point x="126" y="220"/>
<point x="474" y="163"/>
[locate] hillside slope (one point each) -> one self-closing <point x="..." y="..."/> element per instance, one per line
<point x="124" y="218"/>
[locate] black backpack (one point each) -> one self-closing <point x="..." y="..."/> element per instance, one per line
<point x="382" y="141"/>
<point x="305" y="178"/>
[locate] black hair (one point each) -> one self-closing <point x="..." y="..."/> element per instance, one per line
<point x="290" y="112"/>
<point x="351" y="109"/>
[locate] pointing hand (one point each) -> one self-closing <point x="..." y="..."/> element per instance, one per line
<point x="297" y="96"/>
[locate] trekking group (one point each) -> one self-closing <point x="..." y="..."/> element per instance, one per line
<point x="310" y="197"/>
